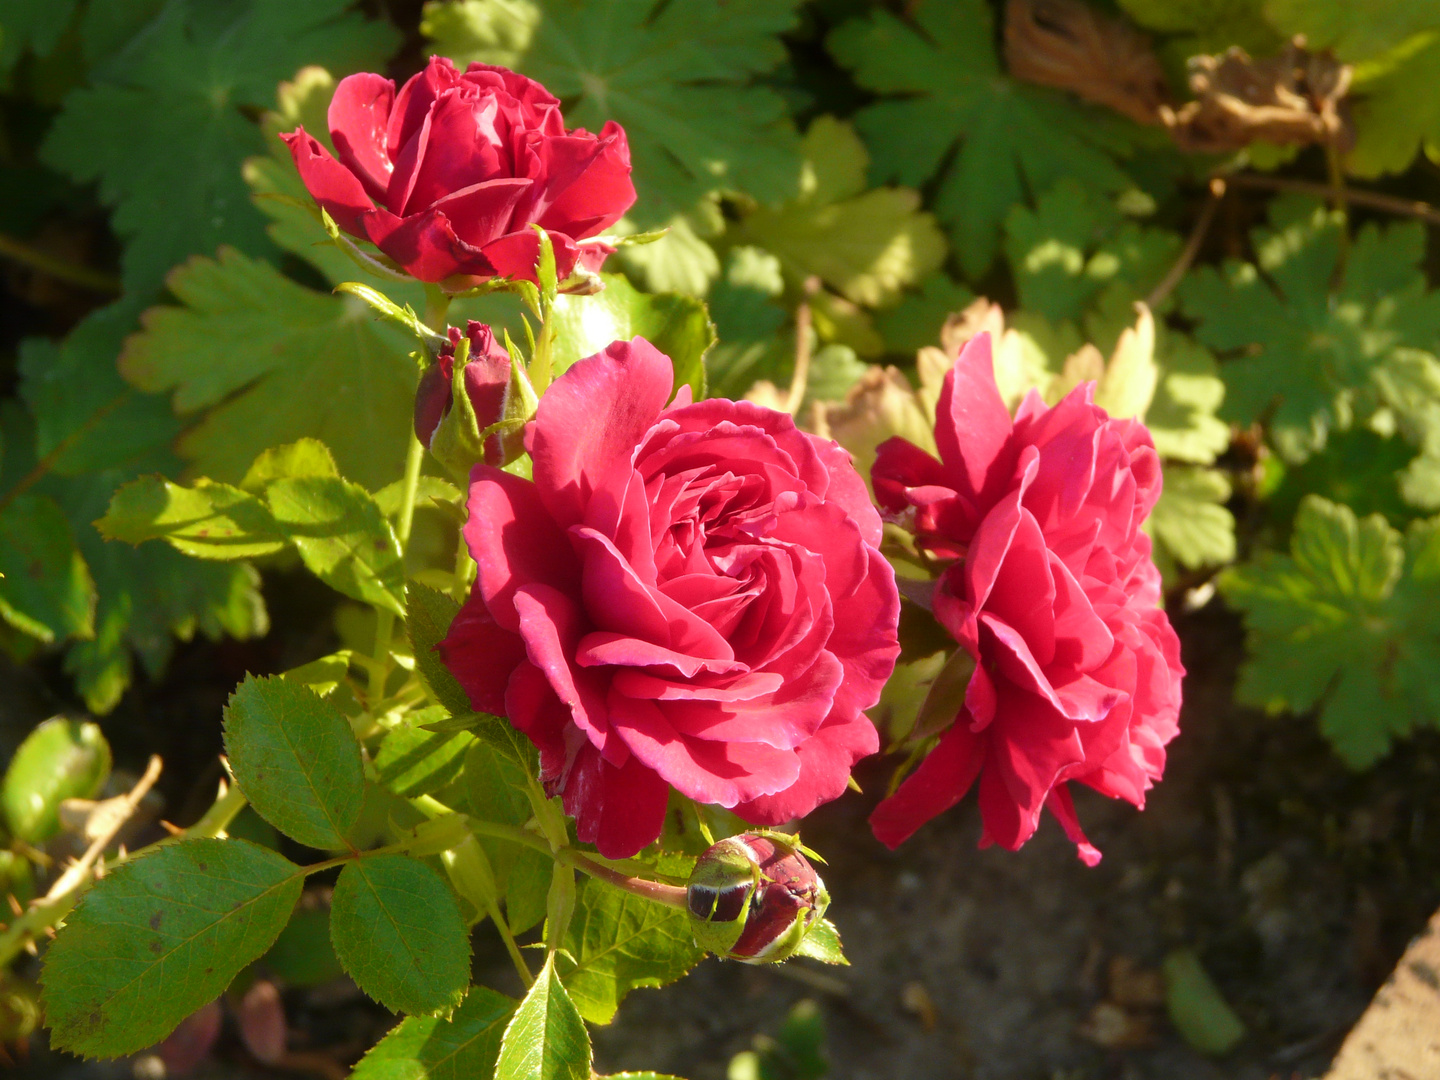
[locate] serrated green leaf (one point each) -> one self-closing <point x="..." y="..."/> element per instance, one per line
<point x="160" y="936"/>
<point x="412" y="761"/>
<point x="678" y="326"/>
<point x="867" y="245"/>
<point x="398" y="933"/>
<point x="269" y="362"/>
<point x="296" y="759"/>
<point x="464" y="1047"/>
<point x="342" y="537"/>
<point x="1398" y="113"/>
<point x="301" y="459"/>
<point x="47" y="591"/>
<point x="1181" y="416"/>
<point x="1353" y="29"/>
<point x="193" y="71"/>
<point x="679" y="261"/>
<point x="943" y="86"/>
<point x="1075" y="245"/>
<point x="302" y="955"/>
<point x="823" y="943"/>
<point x="428" y="615"/>
<point x="619" y="942"/>
<point x="682" y="79"/>
<point x="61" y="759"/>
<point x="207" y="521"/>
<point x="1191" y="520"/>
<point x="33" y="28"/>
<point x="546" y="1038"/>
<point x="1335" y="625"/>
<point x="1309" y="359"/>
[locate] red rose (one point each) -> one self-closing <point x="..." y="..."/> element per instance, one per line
<point x="487" y="380"/>
<point x="686" y="596"/>
<point x="1054" y="594"/>
<point x="460" y="165"/>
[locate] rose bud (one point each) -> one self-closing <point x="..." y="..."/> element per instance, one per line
<point x="754" y="897"/>
<point x="457" y="437"/>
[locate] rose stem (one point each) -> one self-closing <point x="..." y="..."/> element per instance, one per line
<point x="437" y="304"/>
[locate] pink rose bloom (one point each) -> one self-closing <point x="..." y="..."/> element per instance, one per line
<point x="447" y="176"/>
<point x="1054" y="594"/>
<point x="687" y="595"/>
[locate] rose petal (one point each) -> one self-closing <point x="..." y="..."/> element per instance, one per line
<point x="481" y="654"/>
<point x="972" y="425"/>
<point x="826" y="759"/>
<point x="514" y="542"/>
<point x="330" y="183"/>
<point x="358" y="118"/>
<point x="619" y="810"/>
<point x="940" y="781"/>
<point x="1061" y="805"/>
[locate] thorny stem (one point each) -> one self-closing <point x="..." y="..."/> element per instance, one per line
<point x="61" y="897"/>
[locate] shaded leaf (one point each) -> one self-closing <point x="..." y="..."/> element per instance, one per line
<point x="412" y="761"/>
<point x="47" y="591"/>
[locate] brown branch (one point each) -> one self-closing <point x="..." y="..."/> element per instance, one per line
<point x="1355" y="196"/>
<point x="1192" y="246"/>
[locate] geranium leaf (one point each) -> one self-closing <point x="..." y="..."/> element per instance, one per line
<point x="546" y="1038"/>
<point x="1341" y="624"/>
<point x="296" y="759"/>
<point x="682" y="79"/>
<point x="175" y="181"/>
<point x="1309" y="359"/>
<point x="268" y="362"/>
<point x="398" y="933"/>
<point x="464" y="1047"/>
<point x="867" y="245"/>
<point x="943" y="87"/>
<point x="1191" y="521"/>
<point x="160" y="936"/>
<point x="620" y="942"/>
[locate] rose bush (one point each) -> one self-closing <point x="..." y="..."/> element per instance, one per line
<point x="687" y="595"/>
<point x="1054" y="595"/>
<point x="461" y="165"/>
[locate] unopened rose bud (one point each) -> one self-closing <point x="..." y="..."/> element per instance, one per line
<point x="486" y="376"/>
<point x="754" y="897"/>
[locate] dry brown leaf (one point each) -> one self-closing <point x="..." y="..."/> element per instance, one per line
<point x="1297" y="97"/>
<point x="1072" y="46"/>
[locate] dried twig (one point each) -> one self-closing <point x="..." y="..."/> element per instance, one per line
<point x="1192" y="246"/>
<point x="1355" y="196"/>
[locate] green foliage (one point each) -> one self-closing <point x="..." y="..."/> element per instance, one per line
<point x="1190" y="519"/>
<point x="291" y="495"/>
<point x="1346" y="624"/>
<point x="822" y="943"/>
<point x="684" y="80"/>
<point x="270" y="361"/>
<point x="295" y="759"/>
<point x="867" y="245"/>
<point x="47" y="591"/>
<point x="546" y="1039"/>
<point x="412" y="761"/>
<point x="462" y="1047"/>
<point x="1309" y="359"/>
<point x="160" y="936"/>
<point x="943" y="86"/>
<point x="1400" y="113"/>
<point x="192" y="71"/>
<point x="618" y="942"/>
<point x="398" y="933"/>
<point x="676" y="325"/>
<point x="302" y="955"/>
<point x="61" y="759"/>
<point x="428" y="615"/>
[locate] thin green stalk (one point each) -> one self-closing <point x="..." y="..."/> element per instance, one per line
<point x="95" y="280"/>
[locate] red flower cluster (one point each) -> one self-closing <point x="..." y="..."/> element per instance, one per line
<point x="1054" y="594"/>
<point x="447" y="176"/>
<point x="687" y="596"/>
